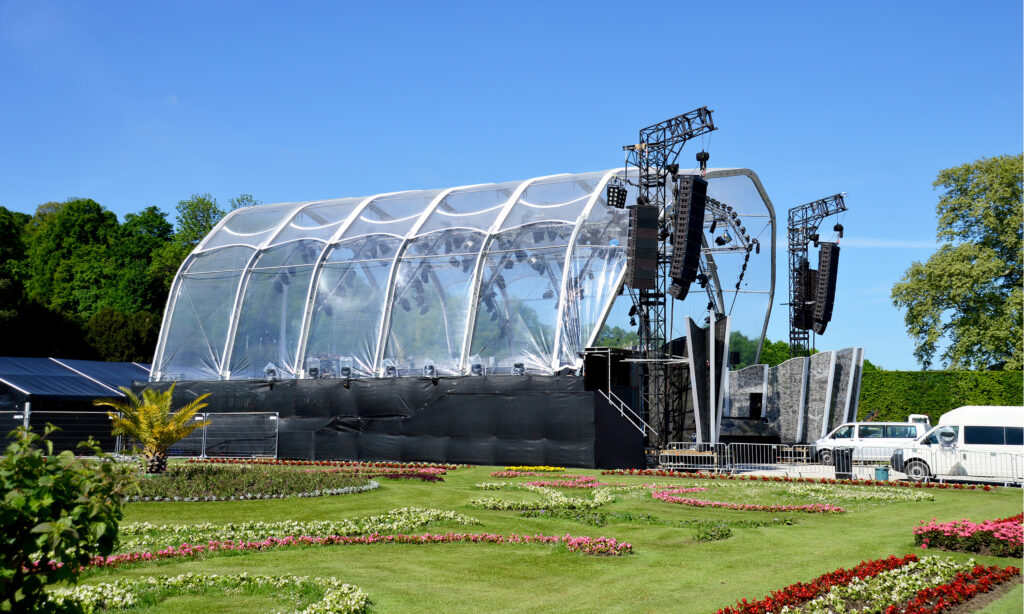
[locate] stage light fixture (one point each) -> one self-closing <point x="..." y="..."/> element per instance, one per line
<point x="723" y="239"/>
<point x="757" y="246"/>
<point x="714" y="225"/>
<point x="518" y="369"/>
<point x="643" y="200"/>
<point x="270" y="371"/>
<point x="346" y="372"/>
<point x="702" y="159"/>
<point x="313" y="367"/>
<point x="476" y="369"/>
<point x="632" y="321"/>
<point x="838" y="228"/>
<point x="617" y="196"/>
<point x="702" y="279"/>
<point x="429" y="370"/>
<point x="673" y="169"/>
<point x="549" y="293"/>
<point x="632" y="311"/>
<point x="390" y="370"/>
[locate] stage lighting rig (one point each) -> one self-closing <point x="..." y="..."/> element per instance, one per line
<point x="617" y="195"/>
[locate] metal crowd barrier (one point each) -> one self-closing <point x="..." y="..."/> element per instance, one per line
<point x="943" y="464"/>
<point x="243" y="435"/>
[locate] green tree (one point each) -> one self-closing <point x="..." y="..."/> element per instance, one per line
<point x="55" y="507"/>
<point x="123" y="337"/>
<point x="196" y="218"/>
<point x="243" y="200"/>
<point x="968" y="294"/>
<point x="616" y="337"/>
<point x="153" y="422"/>
<point x="68" y="261"/>
<point x="140" y="238"/>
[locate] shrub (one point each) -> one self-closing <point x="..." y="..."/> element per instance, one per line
<point x="894" y="395"/>
<point x="220" y="481"/>
<point x="57" y="512"/>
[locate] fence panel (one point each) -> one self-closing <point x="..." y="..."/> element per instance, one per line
<point x="695" y="456"/>
<point x="10" y="420"/>
<point x="75" y="426"/>
<point x="242" y="434"/>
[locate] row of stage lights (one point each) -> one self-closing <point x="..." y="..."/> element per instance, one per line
<point x="314" y="370"/>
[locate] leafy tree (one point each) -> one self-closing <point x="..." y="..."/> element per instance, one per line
<point x="969" y="293"/>
<point x="243" y="200"/>
<point x="616" y="337"/>
<point x="196" y="218"/>
<point x="152" y="421"/>
<point x="139" y="238"/>
<point x="55" y="507"/>
<point x="123" y="337"/>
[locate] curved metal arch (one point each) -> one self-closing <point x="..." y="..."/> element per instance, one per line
<point x="477" y="279"/>
<point x="746" y="172"/>
<point x="570" y="248"/>
<point x="243" y="284"/>
<point x="385" y="321"/>
<point x="318" y="268"/>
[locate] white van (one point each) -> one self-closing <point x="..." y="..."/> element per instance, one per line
<point x="983" y="441"/>
<point x="871" y="441"/>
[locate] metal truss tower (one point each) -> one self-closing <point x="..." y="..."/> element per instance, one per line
<point x="803" y="228"/>
<point x="654" y="157"/>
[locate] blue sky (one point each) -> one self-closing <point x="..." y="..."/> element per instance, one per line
<point x="136" y="104"/>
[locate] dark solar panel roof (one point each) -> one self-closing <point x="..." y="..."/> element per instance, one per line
<point x="65" y="378"/>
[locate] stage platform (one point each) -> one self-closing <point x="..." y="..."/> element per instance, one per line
<point x="480" y="420"/>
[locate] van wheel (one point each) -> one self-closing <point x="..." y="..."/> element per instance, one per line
<point x="826" y="457"/>
<point x="917" y="471"/>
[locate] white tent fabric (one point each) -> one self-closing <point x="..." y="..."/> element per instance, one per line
<point x="464" y="280"/>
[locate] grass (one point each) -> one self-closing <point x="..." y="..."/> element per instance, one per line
<point x="669" y="572"/>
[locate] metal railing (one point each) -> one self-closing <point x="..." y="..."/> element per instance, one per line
<point x="932" y="463"/>
<point x="627" y="412"/>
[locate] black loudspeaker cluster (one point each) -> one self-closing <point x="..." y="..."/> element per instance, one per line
<point x="828" y="266"/>
<point x="687" y="230"/>
<point x="642" y="254"/>
<point x="806" y="289"/>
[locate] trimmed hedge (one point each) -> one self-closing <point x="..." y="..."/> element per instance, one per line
<point x="897" y="394"/>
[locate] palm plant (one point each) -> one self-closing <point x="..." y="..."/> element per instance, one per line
<point x="152" y="421"/>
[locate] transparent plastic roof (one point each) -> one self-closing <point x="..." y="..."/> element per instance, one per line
<point x="493" y="278"/>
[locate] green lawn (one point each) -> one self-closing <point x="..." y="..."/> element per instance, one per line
<point x="668" y="572"/>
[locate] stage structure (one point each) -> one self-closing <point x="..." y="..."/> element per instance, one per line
<point x="811" y="291"/>
<point x="452" y="324"/>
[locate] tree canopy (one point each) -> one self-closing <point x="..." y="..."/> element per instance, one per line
<point x="967" y="297"/>
<point x="76" y="282"/>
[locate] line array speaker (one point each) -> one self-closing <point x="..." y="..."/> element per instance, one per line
<point x="828" y="266"/>
<point x="687" y="230"/>
<point x="806" y="291"/>
<point x="642" y="252"/>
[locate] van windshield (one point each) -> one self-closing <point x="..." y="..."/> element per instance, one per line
<point x="843" y="432"/>
<point x="940" y="433"/>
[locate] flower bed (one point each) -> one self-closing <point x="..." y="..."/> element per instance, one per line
<point x="210" y="483"/>
<point x="328" y="594"/>
<point x="552" y="499"/>
<point x="537" y="468"/>
<point x="1002" y="537"/>
<point x="827" y="493"/>
<point x="666" y="473"/>
<point x="532" y="474"/>
<point x="150" y="537"/>
<point x="814" y="508"/>
<point x="905" y="585"/>
<point x="323" y="463"/>
<point x="586" y="545"/>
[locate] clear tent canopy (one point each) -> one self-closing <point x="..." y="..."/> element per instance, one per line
<point x="493" y="278"/>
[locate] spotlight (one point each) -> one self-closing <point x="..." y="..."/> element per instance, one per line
<point x="270" y="371"/>
<point x="757" y="246"/>
<point x="616" y="196"/>
<point x="389" y="369"/>
<point x="632" y="321"/>
<point x="537" y="264"/>
<point x="518" y="369"/>
<point x="476" y="369"/>
<point x="702" y="279"/>
<point x="838" y="228"/>
<point x="429" y="370"/>
<point x="632" y="311"/>
<point x="673" y="169"/>
<point x="702" y="158"/>
<point x="549" y="293"/>
<point x="346" y="372"/>
<point x="313" y="367"/>
<point x="642" y="200"/>
<point x="723" y="239"/>
<point x="714" y="225"/>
